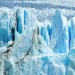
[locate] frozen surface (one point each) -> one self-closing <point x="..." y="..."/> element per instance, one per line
<point x="31" y="43"/>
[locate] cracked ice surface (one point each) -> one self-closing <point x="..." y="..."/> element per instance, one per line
<point x="31" y="44"/>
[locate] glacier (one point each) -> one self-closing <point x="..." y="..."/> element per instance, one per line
<point x="30" y="44"/>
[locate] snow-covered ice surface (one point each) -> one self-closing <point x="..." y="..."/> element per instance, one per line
<point x="37" y="40"/>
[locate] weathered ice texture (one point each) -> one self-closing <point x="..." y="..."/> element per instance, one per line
<point x="31" y="44"/>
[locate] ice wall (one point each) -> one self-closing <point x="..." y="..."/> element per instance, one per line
<point x="29" y="46"/>
<point x="60" y="33"/>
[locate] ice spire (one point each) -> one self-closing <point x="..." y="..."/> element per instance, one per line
<point x="59" y="33"/>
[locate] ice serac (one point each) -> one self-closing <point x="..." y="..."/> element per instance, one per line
<point x="12" y="25"/>
<point x="4" y="37"/>
<point x="26" y="18"/>
<point x="46" y="32"/>
<point x="19" y="26"/>
<point x="5" y="21"/>
<point x="59" y="41"/>
<point x="48" y="27"/>
<point x="43" y="33"/>
<point x="4" y="28"/>
<point x="72" y="32"/>
<point x="29" y="19"/>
